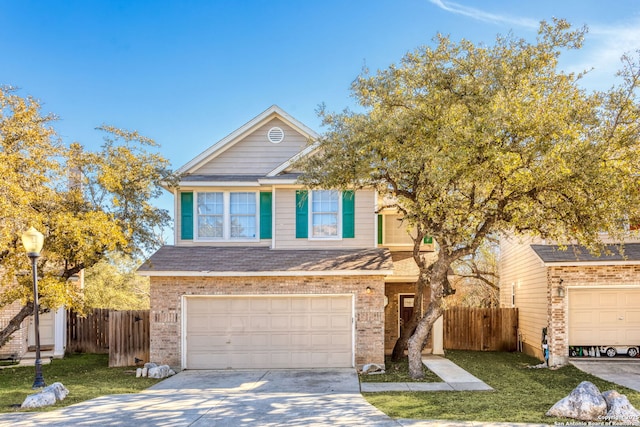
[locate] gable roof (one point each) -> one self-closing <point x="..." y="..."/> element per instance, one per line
<point x="263" y="261"/>
<point x="580" y="255"/>
<point x="269" y="114"/>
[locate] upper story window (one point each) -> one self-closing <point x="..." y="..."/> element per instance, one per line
<point x="393" y="232"/>
<point x="227" y="215"/>
<point x="325" y="211"/>
<point x="325" y="214"/>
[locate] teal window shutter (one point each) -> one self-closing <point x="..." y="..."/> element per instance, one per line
<point x="348" y="214"/>
<point x="380" y="219"/>
<point x="302" y="214"/>
<point x="186" y="216"/>
<point x="265" y="215"/>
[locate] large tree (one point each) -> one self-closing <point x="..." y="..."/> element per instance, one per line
<point x="87" y="204"/>
<point x="471" y="141"/>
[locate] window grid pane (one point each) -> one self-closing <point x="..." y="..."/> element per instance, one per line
<point x="210" y="215"/>
<point x="243" y="215"/>
<point x="324" y="213"/>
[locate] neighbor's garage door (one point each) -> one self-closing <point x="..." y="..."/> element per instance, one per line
<point x="604" y="316"/>
<point x="268" y="332"/>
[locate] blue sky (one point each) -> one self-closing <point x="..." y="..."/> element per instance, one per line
<point x="187" y="73"/>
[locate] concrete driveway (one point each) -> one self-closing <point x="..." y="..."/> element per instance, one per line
<point x="623" y="370"/>
<point x="225" y="398"/>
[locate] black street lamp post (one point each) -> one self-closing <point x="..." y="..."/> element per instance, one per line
<point x="32" y="240"/>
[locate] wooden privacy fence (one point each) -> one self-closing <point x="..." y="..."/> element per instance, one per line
<point x="88" y="334"/>
<point x="122" y="334"/>
<point x="483" y="329"/>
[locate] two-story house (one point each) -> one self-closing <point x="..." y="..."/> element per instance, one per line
<point x="267" y="274"/>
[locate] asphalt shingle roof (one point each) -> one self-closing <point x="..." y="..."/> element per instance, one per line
<point x="578" y="254"/>
<point x="208" y="259"/>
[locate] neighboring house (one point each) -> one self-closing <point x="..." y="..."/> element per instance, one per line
<point x="267" y="274"/>
<point x="53" y="334"/>
<point x="585" y="302"/>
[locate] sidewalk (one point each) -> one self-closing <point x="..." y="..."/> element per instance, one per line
<point x="454" y="379"/>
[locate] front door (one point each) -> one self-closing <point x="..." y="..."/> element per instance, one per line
<point x="406" y="310"/>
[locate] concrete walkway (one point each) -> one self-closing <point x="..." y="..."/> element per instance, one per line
<point x="454" y="379"/>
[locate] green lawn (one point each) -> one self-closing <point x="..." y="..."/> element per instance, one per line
<point x="522" y="394"/>
<point x="85" y="375"/>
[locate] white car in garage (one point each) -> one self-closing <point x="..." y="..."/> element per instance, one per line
<point x="614" y="350"/>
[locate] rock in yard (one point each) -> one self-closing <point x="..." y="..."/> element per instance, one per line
<point x="371" y="368"/>
<point x="48" y="396"/>
<point x="620" y="410"/>
<point x="58" y="390"/>
<point x="584" y="403"/>
<point x="39" y="400"/>
<point x="163" y="371"/>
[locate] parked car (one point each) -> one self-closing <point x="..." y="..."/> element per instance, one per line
<point x="612" y="351"/>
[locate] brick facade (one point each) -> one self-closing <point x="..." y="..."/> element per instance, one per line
<point x="166" y="307"/>
<point x="576" y="277"/>
<point x="17" y="345"/>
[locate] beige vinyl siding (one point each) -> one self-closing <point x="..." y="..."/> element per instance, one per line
<point x="523" y="272"/>
<point x="284" y="200"/>
<point x="254" y="154"/>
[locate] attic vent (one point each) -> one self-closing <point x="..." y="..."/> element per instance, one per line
<point x="275" y="135"/>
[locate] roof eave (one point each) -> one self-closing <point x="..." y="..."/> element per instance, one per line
<point x="289" y="273"/>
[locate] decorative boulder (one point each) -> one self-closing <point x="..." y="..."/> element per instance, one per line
<point x="372" y="368"/>
<point x="58" y="389"/>
<point x="38" y="400"/>
<point x="163" y="371"/>
<point x="584" y="403"/>
<point x="620" y="410"/>
<point x="48" y="396"/>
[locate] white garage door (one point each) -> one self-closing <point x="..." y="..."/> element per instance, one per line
<point x="268" y="332"/>
<point x="604" y="316"/>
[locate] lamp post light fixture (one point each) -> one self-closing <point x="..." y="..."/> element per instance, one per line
<point x="32" y="240"/>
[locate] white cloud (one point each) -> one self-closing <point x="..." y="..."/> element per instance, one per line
<point x="481" y="15"/>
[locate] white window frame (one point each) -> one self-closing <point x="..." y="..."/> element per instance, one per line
<point x="226" y="217"/>
<point x="338" y="235"/>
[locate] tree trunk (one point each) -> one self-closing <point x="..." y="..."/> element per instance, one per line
<point x="410" y="326"/>
<point x="403" y="339"/>
<point x="14" y="324"/>
<point x="420" y="336"/>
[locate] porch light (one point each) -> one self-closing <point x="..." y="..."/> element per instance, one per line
<point x="32" y="240"/>
<point x="561" y="289"/>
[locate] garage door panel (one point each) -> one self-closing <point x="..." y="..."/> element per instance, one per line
<point x="279" y="322"/>
<point x="342" y="305"/>
<point x="320" y="304"/>
<point x="632" y="336"/>
<point x="608" y="299"/>
<point x="300" y="340"/>
<point x="259" y="305"/>
<point x="274" y="332"/>
<point x="320" y="322"/>
<point x="340" y="322"/>
<point x="299" y="322"/>
<point x="604" y="317"/>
